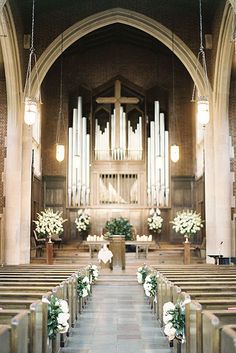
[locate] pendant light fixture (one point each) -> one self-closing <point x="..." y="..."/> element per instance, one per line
<point x="202" y="101"/>
<point x="31" y="101"/>
<point x="60" y="147"/>
<point x="174" y="148"/>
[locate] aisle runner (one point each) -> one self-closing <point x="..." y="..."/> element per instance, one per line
<point x="117" y="319"/>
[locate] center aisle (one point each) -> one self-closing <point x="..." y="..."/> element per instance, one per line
<point x="117" y="319"/>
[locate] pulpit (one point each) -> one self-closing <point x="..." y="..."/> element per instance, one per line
<point x="117" y="247"/>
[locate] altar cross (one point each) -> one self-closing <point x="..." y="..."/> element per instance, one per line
<point x="117" y="100"/>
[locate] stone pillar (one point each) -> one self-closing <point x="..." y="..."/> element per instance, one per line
<point x="13" y="194"/>
<point x="26" y="179"/>
<point x="117" y="247"/>
<point x="217" y="186"/>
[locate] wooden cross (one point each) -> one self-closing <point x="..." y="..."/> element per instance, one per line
<point x="117" y="100"/>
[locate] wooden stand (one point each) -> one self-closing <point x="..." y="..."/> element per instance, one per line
<point x="117" y="247"/>
<point x="186" y="253"/>
<point x="49" y="253"/>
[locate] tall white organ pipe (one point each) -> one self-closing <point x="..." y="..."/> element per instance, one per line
<point x="79" y="160"/>
<point x="158" y="161"/>
<point x="70" y="165"/>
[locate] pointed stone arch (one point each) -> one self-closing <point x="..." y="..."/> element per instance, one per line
<point x="129" y="18"/>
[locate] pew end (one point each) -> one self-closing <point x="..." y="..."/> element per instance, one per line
<point x="228" y="339"/>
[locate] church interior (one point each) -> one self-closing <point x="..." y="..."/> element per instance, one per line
<point x="117" y="119"/>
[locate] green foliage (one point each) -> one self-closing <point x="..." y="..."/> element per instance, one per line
<point x="119" y="226"/>
<point x="83" y="285"/>
<point x="142" y="273"/>
<point x="178" y="320"/>
<point x="53" y="311"/>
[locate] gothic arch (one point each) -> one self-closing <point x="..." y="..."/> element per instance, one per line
<point x="127" y="17"/>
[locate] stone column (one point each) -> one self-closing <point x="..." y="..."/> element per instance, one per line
<point x="26" y="179"/>
<point x="217" y="186"/>
<point x="13" y="194"/>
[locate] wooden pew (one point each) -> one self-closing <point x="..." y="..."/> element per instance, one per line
<point x="213" y="288"/>
<point x="5" y="338"/>
<point x="212" y="323"/>
<point x="24" y="286"/>
<point x="228" y="339"/>
<point x="17" y="323"/>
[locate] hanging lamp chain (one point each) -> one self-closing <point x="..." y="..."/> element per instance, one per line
<point x="61" y="120"/>
<point x="201" y="56"/>
<point x="32" y="61"/>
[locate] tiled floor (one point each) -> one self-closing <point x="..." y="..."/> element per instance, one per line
<point x="117" y="319"/>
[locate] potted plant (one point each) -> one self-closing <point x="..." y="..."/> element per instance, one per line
<point x="119" y="226"/>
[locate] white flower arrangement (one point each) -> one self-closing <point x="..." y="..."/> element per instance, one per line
<point x="58" y="316"/>
<point x="49" y="223"/>
<point x="142" y="273"/>
<point x="63" y="317"/>
<point x="93" y="272"/>
<point x="187" y="223"/>
<point x="150" y="285"/>
<point x="174" y="320"/>
<point x="82" y="221"/>
<point x="83" y="286"/>
<point x="155" y="221"/>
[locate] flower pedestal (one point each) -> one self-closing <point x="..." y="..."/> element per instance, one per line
<point x="49" y="253"/>
<point x="187" y="253"/>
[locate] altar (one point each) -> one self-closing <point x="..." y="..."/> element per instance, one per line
<point x="139" y="246"/>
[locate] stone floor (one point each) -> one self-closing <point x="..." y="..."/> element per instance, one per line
<point x="117" y="319"/>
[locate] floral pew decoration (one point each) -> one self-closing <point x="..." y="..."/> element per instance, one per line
<point x="58" y="316"/>
<point x="83" y="285"/>
<point x="83" y="289"/>
<point x="92" y="273"/>
<point x="174" y="320"/>
<point x="150" y="287"/>
<point x="142" y="273"/>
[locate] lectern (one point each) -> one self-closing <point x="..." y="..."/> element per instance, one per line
<point x="117" y="247"/>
